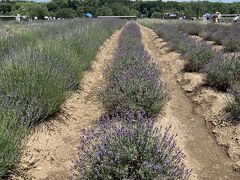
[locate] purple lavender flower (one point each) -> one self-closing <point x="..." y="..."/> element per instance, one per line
<point x="126" y="145"/>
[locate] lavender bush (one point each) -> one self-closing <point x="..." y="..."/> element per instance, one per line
<point x="232" y="40"/>
<point x="192" y="28"/>
<point x="235" y="103"/>
<point x="227" y="36"/>
<point x="198" y="56"/>
<point x="223" y="71"/>
<point x="135" y="89"/>
<point x="11" y="142"/>
<point x="128" y="146"/>
<point x="208" y="30"/>
<point x="134" y="82"/>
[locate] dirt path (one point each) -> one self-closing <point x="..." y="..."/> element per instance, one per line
<point x="207" y="159"/>
<point x="49" y="153"/>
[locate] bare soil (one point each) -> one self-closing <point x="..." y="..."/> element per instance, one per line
<point x="187" y="115"/>
<point x="49" y="152"/>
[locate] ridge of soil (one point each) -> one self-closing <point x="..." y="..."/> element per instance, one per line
<point x="49" y="152"/>
<point x="204" y="156"/>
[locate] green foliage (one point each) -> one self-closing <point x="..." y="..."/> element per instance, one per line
<point x="5" y="8"/>
<point x="124" y="7"/>
<point x="104" y="11"/>
<point x="38" y="11"/>
<point x="65" y="13"/>
<point x="156" y="15"/>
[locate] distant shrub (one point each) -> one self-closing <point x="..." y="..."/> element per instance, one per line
<point x="223" y="71"/>
<point x="219" y="35"/>
<point x="227" y="36"/>
<point x="235" y="104"/>
<point x="192" y="28"/>
<point x="197" y="56"/>
<point x="232" y="40"/>
<point x="209" y="29"/>
<point x="127" y="146"/>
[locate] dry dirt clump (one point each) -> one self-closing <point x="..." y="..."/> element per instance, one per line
<point x="190" y="81"/>
<point x="187" y="117"/>
<point x="49" y="152"/>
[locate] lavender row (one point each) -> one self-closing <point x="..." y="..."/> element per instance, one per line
<point x="226" y="35"/>
<point x="197" y="54"/>
<point x="222" y="70"/>
<point x="128" y="146"/>
<point x="134" y="82"/>
<point x="36" y="78"/>
<point x="124" y="144"/>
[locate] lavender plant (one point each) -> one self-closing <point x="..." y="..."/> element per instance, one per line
<point x="208" y="30"/>
<point x="135" y="90"/>
<point x="235" y="103"/>
<point x="231" y="41"/>
<point x="11" y="142"/>
<point x="128" y="146"/>
<point x="223" y="71"/>
<point x="197" y="56"/>
<point x="192" y="28"/>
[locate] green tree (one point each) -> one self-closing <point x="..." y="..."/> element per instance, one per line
<point x="104" y="11"/>
<point x="156" y="14"/>
<point x="5" y="8"/>
<point x="39" y="10"/>
<point x="66" y="13"/>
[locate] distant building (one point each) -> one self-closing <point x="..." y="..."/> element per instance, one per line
<point x="14" y="18"/>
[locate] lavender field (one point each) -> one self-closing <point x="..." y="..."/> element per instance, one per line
<point x="106" y="98"/>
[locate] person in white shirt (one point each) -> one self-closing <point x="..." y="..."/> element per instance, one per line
<point x="237" y="18"/>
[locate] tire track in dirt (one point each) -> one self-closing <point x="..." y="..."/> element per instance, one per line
<point x="49" y="152"/>
<point x="207" y="159"/>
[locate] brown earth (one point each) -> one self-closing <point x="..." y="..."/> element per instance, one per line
<point x="49" y="152"/>
<point x="187" y="117"/>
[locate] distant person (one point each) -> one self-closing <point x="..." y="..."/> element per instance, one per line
<point x="237" y="18"/>
<point x="218" y="17"/>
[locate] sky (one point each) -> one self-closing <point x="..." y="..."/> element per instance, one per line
<point x="227" y="1"/>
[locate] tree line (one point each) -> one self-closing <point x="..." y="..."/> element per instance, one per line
<point x="77" y="8"/>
